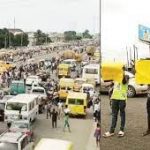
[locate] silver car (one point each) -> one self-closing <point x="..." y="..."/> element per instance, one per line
<point x="133" y="88"/>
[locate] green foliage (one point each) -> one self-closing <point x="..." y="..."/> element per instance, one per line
<point x="8" y="39"/>
<point x="86" y="34"/>
<point x="70" y="35"/>
<point x="41" y="38"/>
<point x="21" y="40"/>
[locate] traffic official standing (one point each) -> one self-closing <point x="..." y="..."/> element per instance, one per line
<point x="119" y="97"/>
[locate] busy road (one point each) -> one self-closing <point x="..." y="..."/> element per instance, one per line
<point x="81" y="119"/>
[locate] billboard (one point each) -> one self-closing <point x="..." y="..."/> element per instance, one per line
<point x="144" y="33"/>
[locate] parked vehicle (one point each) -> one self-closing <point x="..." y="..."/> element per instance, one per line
<point x="15" y="141"/>
<point x="25" y="104"/>
<point x="133" y="88"/>
<point x="53" y="144"/>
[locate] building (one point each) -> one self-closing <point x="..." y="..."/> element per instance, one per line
<point x="31" y="38"/>
<point x="15" y="31"/>
<point x="56" y="37"/>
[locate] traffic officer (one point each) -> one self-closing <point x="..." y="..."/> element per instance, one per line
<point x="118" y="97"/>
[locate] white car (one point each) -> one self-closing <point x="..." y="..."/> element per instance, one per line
<point x="133" y="88"/>
<point x="39" y="91"/>
<point x="88" y="88"/>
<point x="33" y="80"/>
<point x="15" y="141"/>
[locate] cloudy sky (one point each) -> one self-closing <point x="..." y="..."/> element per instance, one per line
<point x="50" y="15"/>
<point x="120" y="19"/>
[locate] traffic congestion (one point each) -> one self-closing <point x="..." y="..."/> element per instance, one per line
<point x="55" y="84"/>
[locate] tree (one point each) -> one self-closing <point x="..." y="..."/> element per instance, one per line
<point x="86" y="34"/>
<point x="70" y="35"/>
<point x="41" y="38"/>
<point x="21" y="40"/>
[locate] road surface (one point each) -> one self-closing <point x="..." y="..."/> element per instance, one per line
<point x="136" y="123"/>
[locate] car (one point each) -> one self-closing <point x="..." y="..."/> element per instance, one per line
<point x="133" y="88"/>
<point x="39" y="91"/>
<point x="71" y="62"/>
<point x="78" y="84"/>
<point x="33" y="79"/>
<point x="15" y="141"/>
<point x="23" y="126"/>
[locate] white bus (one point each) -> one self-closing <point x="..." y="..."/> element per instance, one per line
<point x="92" y="71"/>
<point x="25" y="105"/>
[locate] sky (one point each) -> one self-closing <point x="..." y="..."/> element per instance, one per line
<point x="120" y="20"/>
<point x="50" y="15"/>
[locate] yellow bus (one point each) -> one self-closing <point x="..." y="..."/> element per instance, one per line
<point x="53" y="144"/>
<point x="77" y="103"/>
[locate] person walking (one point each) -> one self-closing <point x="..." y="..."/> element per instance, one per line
<point x="60" y="109"/>
<point x="147" y="132"/>
<point x="54" y="115"/>
<point x="48" y="110"/>
<point x="66" y="119"/>
<point x="119" y="97"/>
<point x="97" y="134"/>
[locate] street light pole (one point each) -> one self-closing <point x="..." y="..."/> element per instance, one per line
<point x="21" y="38"/>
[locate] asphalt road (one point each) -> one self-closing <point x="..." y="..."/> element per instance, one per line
<point x="136" y="123"/>
<point x="79" y="135"/>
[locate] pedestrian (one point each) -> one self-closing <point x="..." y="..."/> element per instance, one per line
<point x="48" y="110"/>
<point x="97" y="134"/>
<point x="66" y="119"/>
<point x="96" y="110"/>
<point x="60" y="109"/>
<point x="147" y="132"/>
<point x="119" y="97"/>
<point x="54" y="115"/>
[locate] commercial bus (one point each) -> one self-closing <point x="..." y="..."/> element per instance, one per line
<point x="25" y="105"/>
<point x="92" y="71"/>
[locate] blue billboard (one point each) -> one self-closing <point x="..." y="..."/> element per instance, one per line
<point x="144" y="33"/>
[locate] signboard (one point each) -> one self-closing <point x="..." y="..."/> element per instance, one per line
<point x="142" y="75"/>
<point x="112" y="71"/>
<point x="144" y="33"/>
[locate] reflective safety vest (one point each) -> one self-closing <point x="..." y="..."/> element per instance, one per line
<point x="120" y="91"/>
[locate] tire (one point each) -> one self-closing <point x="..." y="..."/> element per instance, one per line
<point x="131" y="91"/>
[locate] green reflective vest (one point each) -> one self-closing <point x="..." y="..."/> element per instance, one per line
<point x="120" y="91"/>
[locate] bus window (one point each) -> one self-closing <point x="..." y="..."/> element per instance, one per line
<point x="71" y="101"/>
<point x="79" y="102"/>
<point x="91" y="71"/>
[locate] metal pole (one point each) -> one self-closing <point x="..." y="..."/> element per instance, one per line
<point x="127" y="57"/>
<point x="21" y="38"/>
<point x="137" y="55"/>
